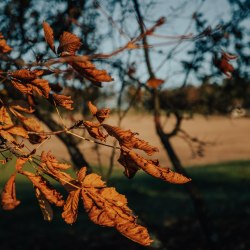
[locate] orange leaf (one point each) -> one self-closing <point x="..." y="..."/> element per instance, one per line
<point x="4" y="47"/>
<point x="63" y="101"/>
<point x="89" y="71"/>
<point x="100" y="114"/>
<point x="49" y="36"/>
<point x="8" y="197"/>
<point x="69" y="44"/>
<point x="20" y="162"/>
<point x="106" y="207"/>
<point x="70" y="208"/>
<point x="94" y="130"/>
<point x="127" y="139"/>
<point x="152" y="168"/>
<point x="5" y="119"/>
<point x="44" y="205"/>
<point x="51" y="194"/>
<point x="93" y="109"/>
<point x="154" y="82"/>
<point x="223" y="64"/>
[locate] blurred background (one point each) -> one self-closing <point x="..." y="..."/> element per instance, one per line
<point x="173" y="90"/>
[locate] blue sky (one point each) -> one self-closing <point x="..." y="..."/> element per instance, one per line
<point x="179" y="21"/>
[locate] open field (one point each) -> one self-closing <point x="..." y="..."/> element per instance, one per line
<point x="165" y="208"/>
<point x="229" y="139"/>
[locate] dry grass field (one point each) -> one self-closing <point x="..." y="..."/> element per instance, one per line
<point x="228" y="139"/>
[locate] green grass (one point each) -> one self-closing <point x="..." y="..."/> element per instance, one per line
<point x="165" y="209"/>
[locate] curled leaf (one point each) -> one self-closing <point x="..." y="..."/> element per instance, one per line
<point x="130" y="160"/>
<point x="49" y="35"/>
<point x="93" y="109"/>
<point x="63" y="101"/>
<point x="69" y="44"/>
<point x="70" y="208"/>
<point x="100" y="114"/>
<point x="8" y="196"/>
<point x="94" y="130"/>
<point x="44" y="205"/>
<point x="154" y="82"/>
<point x="20" y="162"/>
<point x="223" y="64"/>
<point x="127" y="139"/>
<point x="51" y="194"/>
<point x="4" y="47"/>
<point x="90" y="72"/>
<point x="107" y="207"/>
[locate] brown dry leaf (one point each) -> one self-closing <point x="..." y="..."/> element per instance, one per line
<point x="49" y="36"/>
<point x="70" y="208"/>
<point x="51" y="194"/>
<point x="32" y="125"/>
<point x="7" y="127"/>
<point x="5" y="119"/>
<point x="151" y="167"/>
<point x="7" y="136"/>
<point x="154" y="82"/>
<point x="63" y="101"/>
<point x="223" y="64"/>
<point x="17" y="130"/>
<point x="69" y="44"/>
<point x="89" y="71"/>
<point x="51" y="165"/>
<point x="106" y="207"/>
<point x="20" y="105"/>
<point x="127" y="139"/>
<point x="44" y="205"/>
<point x="100" y="114"/>
<point x="23" y="75"/>
<point x="41" y="87"/>
<point x="93" y="109"/>
<point x="8" y="196"/>
<point x="94" y="130"/>
<point x="130" y="167"/>
<point x="81" y="174"/>
<point x="26" y="81"/>
<point x="93" y="180"/>
<point x="50" y="159"/>
<point x="20" y="162"/>
<point x="4" y="47"/>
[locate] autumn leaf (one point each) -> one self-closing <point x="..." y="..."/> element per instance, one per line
<point x="4" y="47"/>
<point x="89" y="71"/>
<point x="106" y="207"/>
<point x="7" y="128"/>
<point x="131" y="160"/>
<point x="32" y="125"/>
<point x="8" y="196"/>
<point x="63" y="101"/>
<point x="70" y="208"/>
<point x="154" y="82"/>
<point x="100" y="114"/>
<point x="69" y="44"/>
<point x="26" y="81"/>
<point x="223" y="64"/>
<point x="49" y="36"/>
<point x="94" y="130"/>
<point x="51" y="194"/>
<point x="20" y="105"/>
<point x="127" y="139"/>
<point x="20" y="162"/>
<point x="5" y="118"/>
<point x="50" y="159"/>
<point x="44" y="205"/>
<point x="51" y="166"/>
